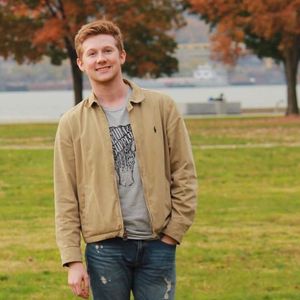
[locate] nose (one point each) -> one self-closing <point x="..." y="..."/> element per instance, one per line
<point x="101" y="57"/>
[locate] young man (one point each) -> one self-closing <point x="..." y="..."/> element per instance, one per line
<point x="124" y="178"/>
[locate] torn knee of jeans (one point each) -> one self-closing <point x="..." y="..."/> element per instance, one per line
<point x="104" y="280"/>
<point x="169" y="287"/>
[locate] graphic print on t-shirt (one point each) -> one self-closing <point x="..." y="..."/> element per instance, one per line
<point x="124" y="153"/>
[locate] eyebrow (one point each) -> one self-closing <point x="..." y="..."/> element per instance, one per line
<point x="104" y="47"/>
<point x="90" y="50"/>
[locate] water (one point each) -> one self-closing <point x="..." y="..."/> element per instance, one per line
<point x="50" y="105"/>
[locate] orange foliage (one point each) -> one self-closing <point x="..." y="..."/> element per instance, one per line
<point x="263" y="18"/>
<point x="52" y="30"/>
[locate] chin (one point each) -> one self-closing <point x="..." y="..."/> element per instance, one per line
<point x="106" y="79"/>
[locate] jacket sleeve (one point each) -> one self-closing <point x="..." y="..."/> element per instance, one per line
<point x="67" y="220"/>
<point x="183" y="174"/>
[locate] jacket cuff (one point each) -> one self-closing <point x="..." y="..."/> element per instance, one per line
<point x="70" y="254"/>
<point x="175" y="231"/>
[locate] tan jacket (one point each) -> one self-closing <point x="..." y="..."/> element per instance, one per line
<point x="86" y="192"/>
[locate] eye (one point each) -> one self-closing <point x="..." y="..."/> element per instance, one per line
<point x="91" y="54"/>
<point x="108" y="50"/>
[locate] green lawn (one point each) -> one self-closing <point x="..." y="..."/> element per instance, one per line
<point x="244" y="244"/>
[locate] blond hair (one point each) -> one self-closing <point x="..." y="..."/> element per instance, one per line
<point x="95" y="28"/>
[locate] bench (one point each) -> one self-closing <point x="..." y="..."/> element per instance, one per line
<point x="210" y="108"/>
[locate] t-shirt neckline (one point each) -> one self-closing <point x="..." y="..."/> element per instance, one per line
<point x="120" y="107"/>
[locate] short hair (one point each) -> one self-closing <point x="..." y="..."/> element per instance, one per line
<point x="95" y="28"/>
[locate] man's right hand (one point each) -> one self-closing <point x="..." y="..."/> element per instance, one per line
<point x="78" y="279"/>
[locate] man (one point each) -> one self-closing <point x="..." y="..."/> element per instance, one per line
<point x="124" y="178"/>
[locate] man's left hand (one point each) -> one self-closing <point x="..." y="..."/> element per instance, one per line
<point x="168" y="240"/>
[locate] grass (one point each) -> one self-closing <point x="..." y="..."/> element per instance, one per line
<point x="27" y="134"/>
<point x="244" y="244"/>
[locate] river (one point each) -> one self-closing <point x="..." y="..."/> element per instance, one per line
<point x="50" y="105"/>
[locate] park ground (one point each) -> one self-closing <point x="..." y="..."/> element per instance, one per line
<point x="244" y="244"/>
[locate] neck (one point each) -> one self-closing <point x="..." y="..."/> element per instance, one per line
<point x="110" y="94"/>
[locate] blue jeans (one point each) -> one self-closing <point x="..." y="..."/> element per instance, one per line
<point x="117" y="266"/>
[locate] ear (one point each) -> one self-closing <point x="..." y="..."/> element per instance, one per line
<point x="80" y="64"/>
<point x="123" y="56"/>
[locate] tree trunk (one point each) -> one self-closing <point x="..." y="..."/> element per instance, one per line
<point x="291" y="61"/>
<point x="76" y="73"/>
<point x="77" y="80"/>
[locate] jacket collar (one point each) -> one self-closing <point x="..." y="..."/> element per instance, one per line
<point x="137" y="95"/>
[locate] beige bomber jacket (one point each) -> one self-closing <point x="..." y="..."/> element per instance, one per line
<point x="85" y="187"/>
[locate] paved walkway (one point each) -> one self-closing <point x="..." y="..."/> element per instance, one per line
<point x="242" y="146"/>
<point x="202" y="147"/>
<point x="25" y="147"/>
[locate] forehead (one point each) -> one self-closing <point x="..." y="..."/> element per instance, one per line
<point x="98" y="41"/>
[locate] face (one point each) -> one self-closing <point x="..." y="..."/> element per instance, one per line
<point x="101" y="60"/>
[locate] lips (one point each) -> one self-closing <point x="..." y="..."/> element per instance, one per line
<point x="103" y="68"/>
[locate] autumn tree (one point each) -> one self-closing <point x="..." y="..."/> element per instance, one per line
<point x="270" y="28"/>
<point x="30" y="29"/>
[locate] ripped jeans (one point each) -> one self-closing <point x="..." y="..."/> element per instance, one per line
<point x="117" y="266"/>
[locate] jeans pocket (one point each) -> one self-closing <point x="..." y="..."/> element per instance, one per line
<point x="166" y="244"/>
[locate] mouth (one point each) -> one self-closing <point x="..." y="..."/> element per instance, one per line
<point x="105" y="68"/>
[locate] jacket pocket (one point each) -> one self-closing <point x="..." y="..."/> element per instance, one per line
<point x="99" y="216"/>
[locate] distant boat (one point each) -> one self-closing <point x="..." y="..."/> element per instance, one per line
<point x="207" y="75"/>
<point x="203" y="76"/>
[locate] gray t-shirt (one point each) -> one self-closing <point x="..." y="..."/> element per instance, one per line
<point x="134" y="209"/>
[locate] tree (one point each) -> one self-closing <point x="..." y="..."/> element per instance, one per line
<point x="30" y="29"/>
<point x="270" y="28"/>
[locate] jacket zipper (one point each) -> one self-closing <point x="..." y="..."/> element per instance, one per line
<point x="146" y="202"/>
<point x="140" y="171"/>
<point x="124" y="234"/>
